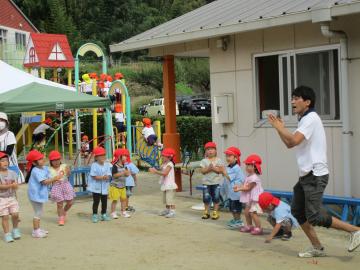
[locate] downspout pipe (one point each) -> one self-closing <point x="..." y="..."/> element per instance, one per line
<point x="345" y="115"/>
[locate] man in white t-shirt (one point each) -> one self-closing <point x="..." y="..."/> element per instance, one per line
<point x="309" y="141"/>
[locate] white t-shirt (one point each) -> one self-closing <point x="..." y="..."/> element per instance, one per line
<point x="120" y="117"/>
<point x="147" y="131"/>
<point x="41" y="128"/>
<point x="311" y="152"/>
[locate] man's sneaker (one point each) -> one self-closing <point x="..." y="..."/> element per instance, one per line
<point x="171" y="214"/>
<point x="312" y="252"/>
<point x="95" y="218"/>
<point x="105" y="217"/>
<point x="16" y="234"/>
<point x="215" y="215"/>
<point x="38" y="234"/>
<point x="164" y="212"/>
<point x="354" y="241"/>
<point x="114" y="215"/>
<point x="286" y="236"/>
<point x="8" y="238"/>
<point x="125" y="214"/>
<point x="206" y="215"/>
<point x="237" y="224"/>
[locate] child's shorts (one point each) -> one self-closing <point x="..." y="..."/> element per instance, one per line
<point x="151" y="139"/>
<point x="129" y="191"/>
<point x="8" y="206"/>
<point x="255" y="207"/>
<point x="286" y="223"/>
<point x="235" y="206"/>
<point x="169" y="197"/>
<point x="117" y="193"/>
<point x="211" y="193"/>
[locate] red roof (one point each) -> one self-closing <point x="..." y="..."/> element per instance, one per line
<point x="47" y="47"/>
<point x="12" y="17"/>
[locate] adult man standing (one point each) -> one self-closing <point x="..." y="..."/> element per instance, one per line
<point x="309" y="141"/>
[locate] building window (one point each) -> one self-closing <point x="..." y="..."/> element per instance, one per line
<point x="279" y="74"/>
<point x="32" y="55"/>
<point x="20" y="40"/>
<point x="3" y="33"/>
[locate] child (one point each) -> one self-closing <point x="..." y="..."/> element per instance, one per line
<point x="120" y="124"/>
<point x="61" y="191"/>
<point x="149" y="133"/>
<point x="233" y="176"/>
<point x="85" y="146"/>
<point x="38" y="178"/>
<point x="211" y="168"/>
<point x="250" y="191"/>
<point x="118" y="184"/>
<point x="9" y="206"/>
<point x="98" y="183"/>
<point x="131" y="180"/>
<point x="167" y="181"/>
<point x="39" y="134"/>
<point x="280" y="216"/>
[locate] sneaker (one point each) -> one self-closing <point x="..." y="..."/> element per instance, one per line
<point x="114" y="215"/>
<point x="286" y="236"/>
<point x="230" y="222"/>
<point x="61" y="221"/>
<point x="16" y="234"/>
<point x="256" y="231"/>
<point x="171" y="214"/>
<point x="246" y="229"/>
<point x="44" y="231"/>
<point x="8" y="238"/>
<point x="312" y="252"/>
<point x="354" y="241"/>
<point x="237" y="224"/>
<point x="206" y="215"/>
<point x="95" y="218"/>
<point x="125" y="214"/>
<point x="38" y="234"/>
<point x="164" y="212"/>
<point x="105" y="217"/>
<point x="215" y="215"/>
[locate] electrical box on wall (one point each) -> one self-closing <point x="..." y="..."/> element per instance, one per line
<point x="224" y="108"/>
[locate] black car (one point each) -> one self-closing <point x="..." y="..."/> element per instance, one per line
<point x="195" y="106"/>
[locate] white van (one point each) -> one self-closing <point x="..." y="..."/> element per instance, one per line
<point x="156" y="107"/>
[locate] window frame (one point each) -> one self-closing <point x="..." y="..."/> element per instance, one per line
<point x="292" y="121"/>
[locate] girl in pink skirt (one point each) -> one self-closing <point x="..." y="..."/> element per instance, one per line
<point x="61" y="191"/>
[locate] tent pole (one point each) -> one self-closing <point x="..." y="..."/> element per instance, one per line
<point x="62" y="135"/>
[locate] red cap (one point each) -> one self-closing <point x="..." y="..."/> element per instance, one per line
<point x="235" y="152"/>
<point x="118" y="76"/>
<point x="103" y="76"/>
<point x="109" y="78"/>
<point x="32" y="156"/>
<point x="255" y="160"/>
<point x="168" y="152"/>
<point x="93" y="75"/>
<point x="210" y="145"/>
<point x="147" y="122"/>
<point x="119" y="153"/>
<point x="2" y="154"/>
<point x="85" y="137"/>
<point x="54" y="155"/>
<point x="99" y="151"/>
<point x="266" y="198"/>
<point x="101" y="84"/>
<point x="47" y="121"/>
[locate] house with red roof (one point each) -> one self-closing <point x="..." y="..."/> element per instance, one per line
<point x="15" y="29"/>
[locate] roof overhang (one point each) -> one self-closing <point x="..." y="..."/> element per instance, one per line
<point x="294" y="18"/>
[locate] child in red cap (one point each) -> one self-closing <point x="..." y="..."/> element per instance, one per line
<point x="249" y="195"/>
<point x="38" y="178"/>
<point x="233" y="175"/>
<point x="62" y="191"/>
<point x="167" y="181"/>
<point x="85" y="146"/>
<point x="211" y="168"/>
<point x="98" y="183"/>
<point x="9" y="206"/>
<point x="280" y="217"/>
<point x="39" y="133"/>
<point x="149" y="133"/>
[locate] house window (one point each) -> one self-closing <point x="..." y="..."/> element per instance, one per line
<point x="20" y="40"/>
<point x="3" y="33"/>
<point x="279" y="74"/>
<point x="32" y="55"/>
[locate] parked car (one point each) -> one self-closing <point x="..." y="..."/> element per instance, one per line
<point x="142" y="109"/>
<point x="156" y="107"/>
<point x="196" y="106"/>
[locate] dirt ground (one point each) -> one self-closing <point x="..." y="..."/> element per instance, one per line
<point x="148" y="241"/>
